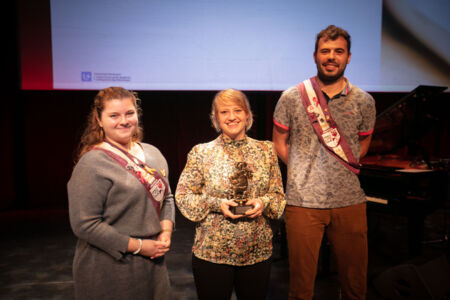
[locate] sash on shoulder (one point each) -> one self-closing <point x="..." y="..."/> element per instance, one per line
<point x="154" y="184"/>
<point x="325" y="127"/>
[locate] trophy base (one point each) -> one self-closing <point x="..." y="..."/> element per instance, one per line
<point x="241" y="209"/>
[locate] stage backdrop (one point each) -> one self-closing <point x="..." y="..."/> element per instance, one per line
<point x="212" y="45"/>
<point x="40" y="126"/>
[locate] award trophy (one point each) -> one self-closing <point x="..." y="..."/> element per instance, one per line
<point x="239" y="180"/>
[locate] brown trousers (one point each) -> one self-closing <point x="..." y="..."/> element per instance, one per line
<point x="346" y="230"/>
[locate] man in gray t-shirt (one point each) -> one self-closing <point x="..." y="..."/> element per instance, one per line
<point x="323" y="193"/>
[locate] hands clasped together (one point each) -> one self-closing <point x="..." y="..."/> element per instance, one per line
<point x="152" y="248"/>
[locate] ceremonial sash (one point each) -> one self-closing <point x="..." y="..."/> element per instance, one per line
<point x="325" y="127"/>
<point x="154" y="184"/>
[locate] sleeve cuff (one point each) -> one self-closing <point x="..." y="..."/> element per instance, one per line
<point x="265" y="201"/>
<point x="280" y="125"/>
<point x="365" y="133"/>
<point x="214" y="203"/>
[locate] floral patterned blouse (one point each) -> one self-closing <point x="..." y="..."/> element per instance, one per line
<point x="205" y="183"/>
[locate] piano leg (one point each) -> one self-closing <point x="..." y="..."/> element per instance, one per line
<point x="416" y="220"/>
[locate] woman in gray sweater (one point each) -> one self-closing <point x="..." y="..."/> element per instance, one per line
<point x="120" y="205"/>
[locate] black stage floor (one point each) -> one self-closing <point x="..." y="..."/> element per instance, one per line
<point x="37" y="247"/>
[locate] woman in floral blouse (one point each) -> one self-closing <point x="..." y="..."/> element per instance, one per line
<point x="231" y="250"/>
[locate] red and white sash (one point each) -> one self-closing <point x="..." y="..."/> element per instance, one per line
<point x="325" y="127"/>
<point x="154" y="184"/>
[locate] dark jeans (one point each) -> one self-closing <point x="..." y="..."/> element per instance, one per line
<point x="216" y="281"/>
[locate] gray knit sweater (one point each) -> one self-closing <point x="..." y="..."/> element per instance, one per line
<point x="108" y="205"/>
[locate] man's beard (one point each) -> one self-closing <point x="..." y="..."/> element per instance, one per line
<point x="327" y="79"/>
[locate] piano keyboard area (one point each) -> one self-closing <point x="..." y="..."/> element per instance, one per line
<point x="377" y="200"/>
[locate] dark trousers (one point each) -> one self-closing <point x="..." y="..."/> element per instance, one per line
<point x="216" y="281"/>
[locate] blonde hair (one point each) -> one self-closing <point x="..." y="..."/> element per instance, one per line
<point x="93" y="134"/>
<point x="231" y="96"/>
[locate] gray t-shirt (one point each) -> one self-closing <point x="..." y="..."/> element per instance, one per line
<point x="316" y="179"/>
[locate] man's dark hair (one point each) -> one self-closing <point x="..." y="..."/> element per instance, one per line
<point x="332" y="32"/>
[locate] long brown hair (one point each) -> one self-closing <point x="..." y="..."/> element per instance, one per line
<point x="93" y="134"/>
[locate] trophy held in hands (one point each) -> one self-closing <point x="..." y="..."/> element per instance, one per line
<point x="239" y="180"/>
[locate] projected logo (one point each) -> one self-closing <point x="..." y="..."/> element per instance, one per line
<point x="86" y="76"/>
<point x="94" y="76"/>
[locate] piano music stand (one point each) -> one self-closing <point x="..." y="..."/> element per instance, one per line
<point x="412" y="107"/>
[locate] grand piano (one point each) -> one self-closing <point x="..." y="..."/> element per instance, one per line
<point x="401" y="174"/>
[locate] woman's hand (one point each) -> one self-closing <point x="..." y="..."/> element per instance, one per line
<point x="149" y="247"/>
<point x="154" y="249"/>
<point x="257" y="210"/>
<point x="225" y="207"/>
<point x="165" y="236"/>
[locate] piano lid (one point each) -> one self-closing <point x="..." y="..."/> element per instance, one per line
<point x="396" y="140"/>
